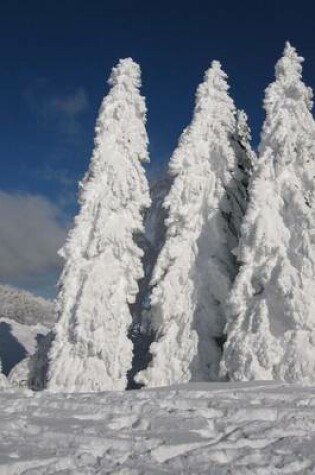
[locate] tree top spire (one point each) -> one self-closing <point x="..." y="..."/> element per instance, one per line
<point x="289" y="67"/>
<point x="127" y="71"/>
<point x="214" y="78"/>
<point x="214" y="71"/>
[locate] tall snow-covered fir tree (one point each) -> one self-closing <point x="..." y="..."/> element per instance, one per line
<point x="195" y="268"/>
<point x="91" y="350"/>
<point x="271" y="325"/>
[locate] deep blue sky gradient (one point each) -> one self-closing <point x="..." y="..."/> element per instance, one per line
<point x="50" y="50"/>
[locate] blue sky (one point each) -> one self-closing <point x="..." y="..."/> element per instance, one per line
<point x="55" y="59"/>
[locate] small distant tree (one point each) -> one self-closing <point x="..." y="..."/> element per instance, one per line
<point x="196" y="266"/>
<point x="91" y="350"/>
<point x="271" y="325"/>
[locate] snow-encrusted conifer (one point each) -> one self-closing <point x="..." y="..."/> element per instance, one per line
<point x="271" y="327"/>
<point x="195" y="268"/>
<point x="91" y="350"/>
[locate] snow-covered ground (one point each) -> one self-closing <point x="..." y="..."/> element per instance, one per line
<point x="219" y="428"/>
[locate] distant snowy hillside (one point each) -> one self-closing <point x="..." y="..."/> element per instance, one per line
<point x="25" y="308"/>
<point x="24" y="319"/>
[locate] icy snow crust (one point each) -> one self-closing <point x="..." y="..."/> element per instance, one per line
<point x="91" y="351"/>
<point x="217" y="429"/>
<point x="195" y="268"/>
<point x="271" y="329"/>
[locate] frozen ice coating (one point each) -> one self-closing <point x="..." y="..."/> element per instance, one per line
<point x="271" y="324"/>
<point x="195" y="268"/>
<point x="91" y="351"/>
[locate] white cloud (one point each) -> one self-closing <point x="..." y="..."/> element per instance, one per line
<point x="72" y="105"/>
<point x="62" y="111"/>
<point x="30" y="236"/>
<point x="58" y="175"/>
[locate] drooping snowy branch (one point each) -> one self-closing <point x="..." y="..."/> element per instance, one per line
<point x="91" y="351"/>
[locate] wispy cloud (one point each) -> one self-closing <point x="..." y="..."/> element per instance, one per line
<point x="66" y="186"/>
<point x="30" y="235"/>
<point x="62" y="111"/>
<point x="58" y="175"/>
<point x="68" y="110"/>
<point x="72" y="105"/>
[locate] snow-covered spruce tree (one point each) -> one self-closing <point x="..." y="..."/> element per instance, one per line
<point x="195" y="268"/>
<point x="271" y="327"/>
<point x="91" y="350"/>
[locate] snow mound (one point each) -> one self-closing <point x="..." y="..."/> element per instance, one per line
<point x="4" y="383"/>
<point x="19" y="375"/>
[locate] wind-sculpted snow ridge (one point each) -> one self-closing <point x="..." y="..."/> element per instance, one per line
<point x="271" y="329"/>
<point x="217" y="429"/>
<point x="91" y="351"/>
<point x="195" y="268"/>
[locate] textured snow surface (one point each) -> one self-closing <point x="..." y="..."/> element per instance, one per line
<point x="207" y="428"/>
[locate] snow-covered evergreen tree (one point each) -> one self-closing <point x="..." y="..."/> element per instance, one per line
<point x="91" y="350"/>
<point x="195" y="268"/>
<point x="271" y="327"/>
